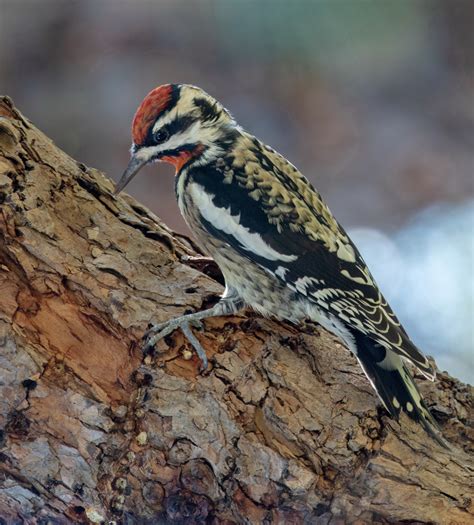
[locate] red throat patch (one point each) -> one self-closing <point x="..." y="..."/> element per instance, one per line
<point x="153" y="105"/>
<point x="178" y="161"/>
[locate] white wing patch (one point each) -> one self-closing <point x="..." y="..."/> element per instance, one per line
<point x="222" y="219"/>
<point x="303" y="283"/>
<point x="281" y="272"/>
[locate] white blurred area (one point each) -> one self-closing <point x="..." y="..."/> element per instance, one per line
<point x="425" y="270"/>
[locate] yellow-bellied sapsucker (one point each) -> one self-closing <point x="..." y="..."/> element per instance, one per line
<point x="280" y="249"/>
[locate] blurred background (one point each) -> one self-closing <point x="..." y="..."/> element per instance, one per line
<point x="371" y="99"/>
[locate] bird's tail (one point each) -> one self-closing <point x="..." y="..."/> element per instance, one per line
<point x="395" y="386"/>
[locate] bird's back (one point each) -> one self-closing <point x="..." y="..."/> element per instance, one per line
<point x="260" y="211"/>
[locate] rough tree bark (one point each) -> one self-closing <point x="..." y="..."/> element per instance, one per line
<point x="283" y="429"/>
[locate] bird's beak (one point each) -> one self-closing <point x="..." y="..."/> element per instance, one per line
<point x="134" y="166"/>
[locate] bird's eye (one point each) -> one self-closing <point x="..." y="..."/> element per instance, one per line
<point x="160" y="136"/>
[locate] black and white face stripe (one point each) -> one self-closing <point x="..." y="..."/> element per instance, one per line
<point x="192" y="119"/>
<point x="175" y="127"/>
<point x="175" y="135"/>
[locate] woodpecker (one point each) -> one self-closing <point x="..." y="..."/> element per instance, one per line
<point x="279" y="247"/>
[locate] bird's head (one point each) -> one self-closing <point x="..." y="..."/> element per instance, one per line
<point x="178" y="124"/>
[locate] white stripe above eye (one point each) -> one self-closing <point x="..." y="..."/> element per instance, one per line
<point x="222" y="219"/>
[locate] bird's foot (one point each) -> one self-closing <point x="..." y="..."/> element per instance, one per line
<point x="159" y="331"/>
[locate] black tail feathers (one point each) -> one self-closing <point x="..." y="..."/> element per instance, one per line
<point x="395" y="386"/>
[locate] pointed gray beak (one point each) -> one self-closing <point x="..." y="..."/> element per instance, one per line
<point x="134" y="166"/>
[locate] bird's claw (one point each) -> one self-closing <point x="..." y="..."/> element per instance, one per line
<point x="159" y="331"/>
<point x="197" y="323"/>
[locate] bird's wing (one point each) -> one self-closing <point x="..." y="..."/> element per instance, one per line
<point x="268" y="212"/>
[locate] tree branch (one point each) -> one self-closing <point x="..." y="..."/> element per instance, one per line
<point x="283" y="429"/>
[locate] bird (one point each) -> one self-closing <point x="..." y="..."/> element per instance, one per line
<point x="279" y="247"/>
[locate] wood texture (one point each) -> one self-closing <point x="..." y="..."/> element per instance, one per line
<point x="283" y="429"/>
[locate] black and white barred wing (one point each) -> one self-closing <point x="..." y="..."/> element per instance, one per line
<point x="346" y="289"/>
<point x="315" y="258"/>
